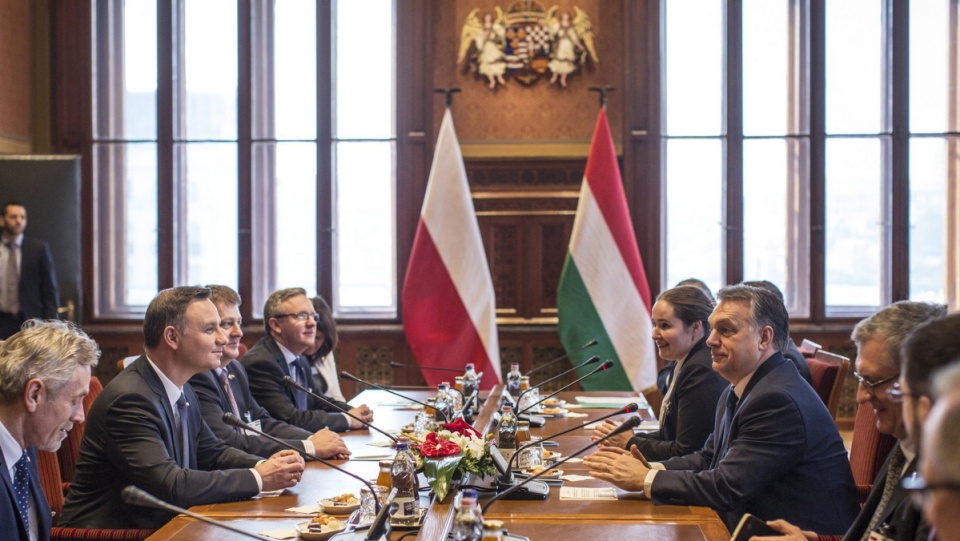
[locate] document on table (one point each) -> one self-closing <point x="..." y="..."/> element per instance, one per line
<point x="610" y="401"/>
<point x="645" y="426"/>
<point x="588" y="493"/>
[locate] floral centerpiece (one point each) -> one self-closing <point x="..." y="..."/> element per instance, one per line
<point x="457" y="449"/>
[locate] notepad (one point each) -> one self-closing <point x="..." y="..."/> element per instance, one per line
<point x="588" y="493"/>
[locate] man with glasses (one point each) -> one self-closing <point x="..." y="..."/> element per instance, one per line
<point x="291" y="325"/>
<point x="887" y="513"/>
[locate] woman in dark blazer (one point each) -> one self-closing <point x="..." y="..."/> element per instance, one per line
<point x="680" y="330"/>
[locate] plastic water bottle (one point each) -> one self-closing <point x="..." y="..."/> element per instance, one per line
<point x="441" y="404"/>
<point x="403" y="476"/>
<point x="507" y="432"/>
<point x="513" y="380"/>
<point x="468" y="524"/>
<point x="454" y="399"/>
<point x="470" y="382"/>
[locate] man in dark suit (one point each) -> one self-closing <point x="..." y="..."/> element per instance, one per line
<point x="226" y="389"/>
<point x="897" y="349"/>
<point x="291" y="325"/>
<point x="145" y="428"/>
<point x="775" y="450"/>
<point x="940" y="465"/>
<point x="44" y="375"/>
<point x="28" y="281"/>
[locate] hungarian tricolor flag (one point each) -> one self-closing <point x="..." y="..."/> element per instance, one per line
<point x="603" y="291"/>
<point x="449" y="308"/>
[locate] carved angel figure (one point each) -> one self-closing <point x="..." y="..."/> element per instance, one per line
<point x="488" y="35"/>
<point x="572" y="39"/>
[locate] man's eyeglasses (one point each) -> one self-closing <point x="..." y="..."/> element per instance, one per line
<point x="920" y="489"/>
<point x="301" y="316"/>
<point x="874" y="384"/>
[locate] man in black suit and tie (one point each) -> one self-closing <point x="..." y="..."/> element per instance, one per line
<point x="145" y="428"/>
<point x="44" y="375"/>
<point x="897" y="350"/>
<point x="291" y="325"/>
<point x="28" y="281"/>
<point x="226" y="389"/>
<point x="775" y="450"/>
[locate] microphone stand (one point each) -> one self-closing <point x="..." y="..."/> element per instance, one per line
<point x="394" y="364"/>
<point x="562" y="357"/>
<point x="629" y="424"/>
<point x="132" y="495"/>
<point x="508" y="475"/>
<point x="348" y="376"/>
<point x="233" y="420"/>
<point x="591" y="360"/>
<point x="606" y="364"/>
<point x="290" y="382"/>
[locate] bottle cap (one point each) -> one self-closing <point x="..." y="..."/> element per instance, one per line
<point x="506" y="407"/>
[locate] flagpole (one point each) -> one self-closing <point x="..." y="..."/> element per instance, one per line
<point x="602" y="90"/>
<point x="448" y="92"/>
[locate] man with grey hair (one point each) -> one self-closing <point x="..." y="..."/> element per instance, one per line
<point x="291" y="325"/>
<point x="146" y="429"/>
<point x="940" y="465"/>
<point x="884" y="343"/>
<point x="44" y="375"/>
<point x="775" y="450"/>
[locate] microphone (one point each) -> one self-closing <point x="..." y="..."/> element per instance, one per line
<point x="233" y="420"/>
<point x="290" y="382"/>
<point x="629" y="424"/>
<point x="508" y="475"/>
<point x="132" y="495"/>
<point x="348" y="376"/>
<point x="592" y="360"/>
<point x="564" y="356"/>
<point x="395" y="364"/>
<point x="606" y="364"/>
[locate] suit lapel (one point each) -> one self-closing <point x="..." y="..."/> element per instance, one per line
<point x="235" y="377"/>
<point x="39" y="498"/>
<point x="172" y="440"/>
<point x="8" y="488"/>
<point x="284" y="367"/>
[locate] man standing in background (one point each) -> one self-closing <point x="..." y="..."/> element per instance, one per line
<point x="28" y="281"/>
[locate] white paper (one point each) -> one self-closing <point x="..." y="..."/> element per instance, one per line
<point x="575" y="414"/>
<point x="621" y="400"/>
<point x="311" y="509"/>
<point x="588" y="493"/>
<point x="281" y="533"/>
<point x="573" y="478"/>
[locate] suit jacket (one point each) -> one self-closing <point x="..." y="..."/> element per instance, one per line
<point x="688" y="419"/>
<point x="10" y="513"/>
<point x="904" y="519"/>
<point x="794" y="355"/>
<point x="266" y="367"/>
<point x="214" y="403"/>
<point x="131" y="439"/>
<point x="38" y="281"/>
<point x="783" y="458"/>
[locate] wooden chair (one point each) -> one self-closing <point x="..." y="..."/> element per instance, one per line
<point x="809" y="348"/>
<point x="654" y="398"/>
<point x="70" y="449"/>
<point x="828" y="371"/>
<point x="868" y="450"/>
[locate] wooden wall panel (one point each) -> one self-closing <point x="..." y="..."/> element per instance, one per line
<point x="15" y="79"/>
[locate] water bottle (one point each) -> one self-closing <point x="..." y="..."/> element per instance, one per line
<point x="468" y="524"/>
<point x="513" y="380"/>
<point x="403" y="477"/>
<point x="470" y="382"/>
<point x="443" y="412"/>
<point x="454" y="399"/>
<point x="507" y="432"/>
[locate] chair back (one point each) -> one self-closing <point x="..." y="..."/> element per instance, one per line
<point x="828" y="372"/>
<point x="809" y="348"/>
<point x="243" y="350"/>
<point x="70" y="449"/>
<point x="868" y="450"/>
<point x="50" y="481"/>
<point x="654" y="398"/>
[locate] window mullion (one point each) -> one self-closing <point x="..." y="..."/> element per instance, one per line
<point x="733" y="177"/>
<point x="167" y="24"/>
<point x="899" y="82"/>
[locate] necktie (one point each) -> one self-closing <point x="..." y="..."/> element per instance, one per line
<point x="11" y="280"/>
<point x="301" y="378"/>
<point x="732" y="401"/>
<point x="182" y="422"/>
<point x="893" y="478"/>
<point x="225" y="381"/>
<point x="21" y="487"/>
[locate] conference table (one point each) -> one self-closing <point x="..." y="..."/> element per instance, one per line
<point x="630" y="516"/>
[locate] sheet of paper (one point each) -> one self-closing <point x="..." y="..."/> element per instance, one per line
<point x="573" y="478"/>
<point x="645" y="426"/>
<point x="610" y="402"/>
<point x="588" y="493"/>
<point x="371" y="454"/>
<point x="311" y="509"/>
<point x="281" y="533"/>
<point x="575" y="414"/>
<point x="272" y="494"/>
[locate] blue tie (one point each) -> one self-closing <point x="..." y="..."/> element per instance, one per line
<point x="21" y="487"/>
<point x="301" y="378"/>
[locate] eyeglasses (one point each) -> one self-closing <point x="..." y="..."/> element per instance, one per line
<point x="301" y="316"/>
<point x="920" y="489"/>
<point x="873" y="384"/>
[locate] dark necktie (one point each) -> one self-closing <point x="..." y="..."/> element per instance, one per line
<point x="732" y="401"/>
<point x="301" y="377"/>
<point x="182" y="428"/>
<point x="225" y="382"/>
<point x="893" y="478"/>
<point x="21" y="487"/>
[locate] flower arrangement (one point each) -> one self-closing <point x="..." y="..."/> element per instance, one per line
<point x="456" y="449"/>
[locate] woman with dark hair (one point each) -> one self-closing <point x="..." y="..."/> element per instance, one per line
<point x="323" y="366"/>
<point x="680" y="331"/>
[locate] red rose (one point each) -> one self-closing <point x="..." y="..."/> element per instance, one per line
<point x="463" y="428"/>
<point x="434" y="447"/>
